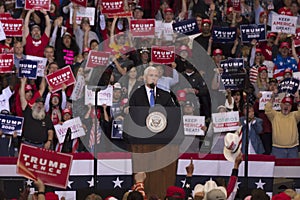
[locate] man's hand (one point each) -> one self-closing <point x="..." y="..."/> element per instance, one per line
<point x="40" y="185"/>
<point x="47" y="145"/>
<point x="238" y="161"/>
<point x="190" y="169"/>
<point x="140" y="177"/>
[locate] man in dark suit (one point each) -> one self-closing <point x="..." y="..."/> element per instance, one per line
<point x="142" y="96"/>
<point x="143" y="101"/>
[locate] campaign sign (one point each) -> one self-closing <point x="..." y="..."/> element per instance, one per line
<point x="88" y="12"/>
<point x="297" y="38"/>
<point x="232" y="65"/>
<point x="112" y="6"/>
<point x="228" y="121"/>
<point x="192" y="125"/>
<point x="164" y="31"/>
<point x="77" y="90"/>
<point x="266" y="96"/>
<point x="142" y="27"/>
<point x="6" y="63"/>
<point x="37" y="4"/>
<point x="97" y="59"/>
<point x="163" y="54"/>
<point x="74" y="124"/>
<point x="28" y="68"/>
<point x="20" y="3"/>
<point x="288" y="85"/>
<point x="10" y="124"/>
<point x="42" y="62"/>
<point x="5" y="15"/>
<point x="60" y="77"/>
<point x="186" y="27"/>
<point x="104" y="96"/>
<point x="120" y="14"/>
<point x="224" y="34"/>
<point x="2" y="33"/>
<point x="117" y="129"/>
<point x="53" y="168"/>
<point x="80" y="2"/>
<point x="253" y="31"/>
<point x="284" y="24"/>
<point x="12" y="27"/>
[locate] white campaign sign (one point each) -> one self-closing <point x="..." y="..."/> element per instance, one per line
<point x="74" y="124"/>
<point x="227" y="121"/>
<point x="42" y="62"/>
<point x="192" y="125"/>
<point x="284" y="24"/>
<point x="266" y="96"/>
<point x="104" y="96"/>
<point x="88" y="12"/>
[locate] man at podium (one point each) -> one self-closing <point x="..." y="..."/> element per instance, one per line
<point x="152" y="110"/>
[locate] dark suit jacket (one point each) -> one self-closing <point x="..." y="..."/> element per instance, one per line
<point x="140" y="98"/>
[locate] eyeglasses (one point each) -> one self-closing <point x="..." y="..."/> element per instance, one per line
<point x="258" y="54"/>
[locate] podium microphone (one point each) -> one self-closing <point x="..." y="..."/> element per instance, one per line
<point x="152" y="85"/>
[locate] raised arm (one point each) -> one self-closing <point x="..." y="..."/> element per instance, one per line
<point x="22" y="93"/>
<point x="183" y="12"/>
<point x="26" y="26"/>
<point x="112" y="32"/>
<point x="48" y="23"/>
<point x="75" y="9"/>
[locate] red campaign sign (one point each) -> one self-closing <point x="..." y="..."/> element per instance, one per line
<point x="37" y="4"/>
<point x="163" y="54"/>
<point x="12" y="27"/>
<point x="53" y="168"/>
<point x="60" y="77"/>
<point x="112" y="6"/>
<point x="80" y="2"/>
<point x="142" y="27"/>
<point x="97" y="59"/>
<point x="120" y="15"/>
<point x="6" y="63"/>
<point x="5" y="16"/>
<point x="297" y="38"/>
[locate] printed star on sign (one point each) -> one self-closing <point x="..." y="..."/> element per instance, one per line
<point x="29" y="182"/>
<point x="91" y="182"/>
<point x="117" y="183"/>
<point x="260" y="184"/>
<point x="69" y="184"/>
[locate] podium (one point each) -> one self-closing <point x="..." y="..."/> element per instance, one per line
<point x="154" y="153"/>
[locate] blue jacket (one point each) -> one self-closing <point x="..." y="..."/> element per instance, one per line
<point x="255" y="130"/>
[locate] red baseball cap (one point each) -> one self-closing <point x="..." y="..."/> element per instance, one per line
<point x="181" y="95"/>
<point x="175" y="192"/>
<point x="285" y="11"/>
<point x="169" y="10"/>
<point x="206" y="21"/>
<point x="258" y="50"/>
<point x="217" y="52"/>
<point x="67" y="110"/>
<point x="285" y="44"/>
<point x="287" y="100"/>
<point x="271" y="35"/>
<point x="262" y="68"/>
<point x="28" y="87"/>
<point x="288" y="70"/>
<point x="229" y="10"/>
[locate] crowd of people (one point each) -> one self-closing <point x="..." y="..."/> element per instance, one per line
<point x="193" y="85"/>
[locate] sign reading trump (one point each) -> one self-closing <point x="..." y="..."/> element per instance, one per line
<point x="163" y="54"/>
<point x="60" y="77"/>
<point x="53" y="168"/>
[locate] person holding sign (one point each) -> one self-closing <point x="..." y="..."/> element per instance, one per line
<point x="38" y="129"/>
<point x="284" y="128"/>
<point x="33" y="41"/>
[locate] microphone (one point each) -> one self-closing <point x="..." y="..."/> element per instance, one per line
<point x="152" y="85"/>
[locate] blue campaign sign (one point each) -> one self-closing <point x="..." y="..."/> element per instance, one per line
<point x="20" y="3"/>
<point x="233" y="75"/>
<point x="28" y="68"/>
<point x="10" y="124"/>
<point x="224" y="34"/>
<point x="253" y="31"/>
<point x="288" y="86"/>
<point x="186" y="27"/>
<point x="117" y="129"/>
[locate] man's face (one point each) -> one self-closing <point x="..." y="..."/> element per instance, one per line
<point x="206" y="28"/>
<point x="85" y="26"/>
<point x="285" y="108"/>
<point x="117" y="94"/>
<point x="188" y="110"/>
<point x="28" y="95"/>
<point x="169" y="17"/>
<point x="18" y="48"/>
<point x="284" y="52"/>
<point x="251" y="113"/>
<point x="49" y="53"/>
<point x="151" y="77"/>
<point x="36" y="33"/>
<point x="138" y="14"/>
